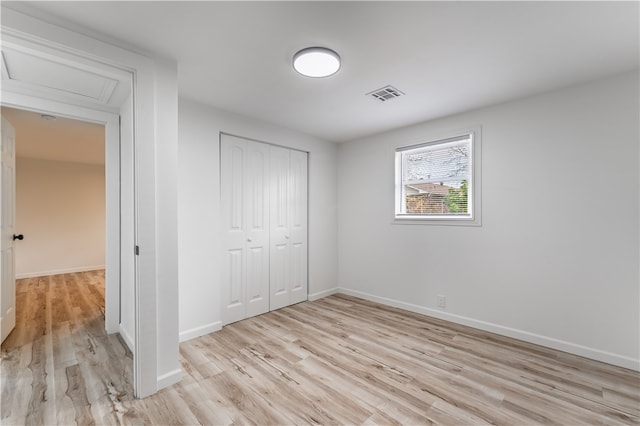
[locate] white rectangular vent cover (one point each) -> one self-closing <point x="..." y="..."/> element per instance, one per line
<point x="385" y="93"/>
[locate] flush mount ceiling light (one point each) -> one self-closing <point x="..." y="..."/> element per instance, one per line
<point x="316" y="62"/>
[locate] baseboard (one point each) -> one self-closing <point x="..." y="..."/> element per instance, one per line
<point x="170" y="378"/>
<point x="324" y="293"/>
<point x="550" y="342"/>
<point x="59" y="271"/>
<point x="200" y="331"/>
<point x="126" y="337"/>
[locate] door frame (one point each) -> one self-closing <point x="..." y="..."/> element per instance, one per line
<point x="112" y="187"/>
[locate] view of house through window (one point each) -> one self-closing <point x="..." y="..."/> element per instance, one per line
<point x="434" y="179"/>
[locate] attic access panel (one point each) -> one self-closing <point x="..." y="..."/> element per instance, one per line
<point x="45" y="74"/>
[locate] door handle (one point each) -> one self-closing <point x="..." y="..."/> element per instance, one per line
<point x="18" y="237"/>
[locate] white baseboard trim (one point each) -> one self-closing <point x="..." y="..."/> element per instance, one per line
<point x="59" y="271"/>
<point x="321" y="294"/>
<point x="550" y="342"/>
<point x="126" y="337"/>
<point x="200" y="331"/>
<point x="170" y="378"/>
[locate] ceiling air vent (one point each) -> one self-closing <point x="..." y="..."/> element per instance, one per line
<point x="385" y="93"/>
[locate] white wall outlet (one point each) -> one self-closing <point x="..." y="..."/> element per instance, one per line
<point x="442" y="301"/>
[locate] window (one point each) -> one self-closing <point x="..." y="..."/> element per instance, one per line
<point x="437" y="182"/>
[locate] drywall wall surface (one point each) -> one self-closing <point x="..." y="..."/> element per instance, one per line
<point x="556" y="258"/>
<point x="199" y="208"/>
<point x="166" y="157"/>
<point x="60" y="210"/>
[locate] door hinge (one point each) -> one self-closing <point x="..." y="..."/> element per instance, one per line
<point x="137" y="250"/>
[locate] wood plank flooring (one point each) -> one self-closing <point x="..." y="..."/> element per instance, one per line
<point x="58" y="365"/>
<point x="339" y="360"/>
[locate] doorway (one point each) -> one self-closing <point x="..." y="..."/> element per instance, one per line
<point x="60" y="194"/>
<point x="66" y="193"/>
<point x="62" y="208"/>
<point x="114" y="203"/>
<point x="72" y="212"/>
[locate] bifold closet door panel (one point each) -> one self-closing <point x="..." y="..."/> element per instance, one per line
<point x="257" y="220"/>
<point x="244" y="174"/>
<point x="232" y="170"/>
<point x="298" y="226"/>
<point x="288" y="227"/>
<point x="280" y="276"/>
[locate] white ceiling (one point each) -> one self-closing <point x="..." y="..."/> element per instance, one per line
<point x="447" y="57"/>
<point x="62" y="139"/>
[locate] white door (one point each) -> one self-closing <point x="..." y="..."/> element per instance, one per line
<point x="280" y="278"/>
<point x="288" y="227"/>
<point x="244" y="173"/>
<point x="7" y="271"/>
<point x="257" y="219"/>
<point x="298" y="226"/>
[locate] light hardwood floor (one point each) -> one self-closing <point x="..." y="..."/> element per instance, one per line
<point x="339" y="360"/>
<point x="58" y="364"/>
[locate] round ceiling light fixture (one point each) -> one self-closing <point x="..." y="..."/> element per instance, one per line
<point x="316" y="62"/>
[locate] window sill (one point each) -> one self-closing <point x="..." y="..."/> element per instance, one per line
<point x="413" y="220"/>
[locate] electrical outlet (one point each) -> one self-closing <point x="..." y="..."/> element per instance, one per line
<point x="442" y="301"/>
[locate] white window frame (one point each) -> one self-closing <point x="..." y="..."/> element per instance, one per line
<point x="475" y="187"/>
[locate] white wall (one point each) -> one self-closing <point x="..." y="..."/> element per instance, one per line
<point x="556" y="259"/>
<point x="199" y="209"/>
<point x="60" y="209"/>
<point x="166" y="230"/>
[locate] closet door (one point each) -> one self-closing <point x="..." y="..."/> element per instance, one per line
<point x="280" y="277"/>
<point x="244" y="174"/>
<point x="298" y="226"/>
<point x="288" y="227"/>
<point x="257" y="220"/>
